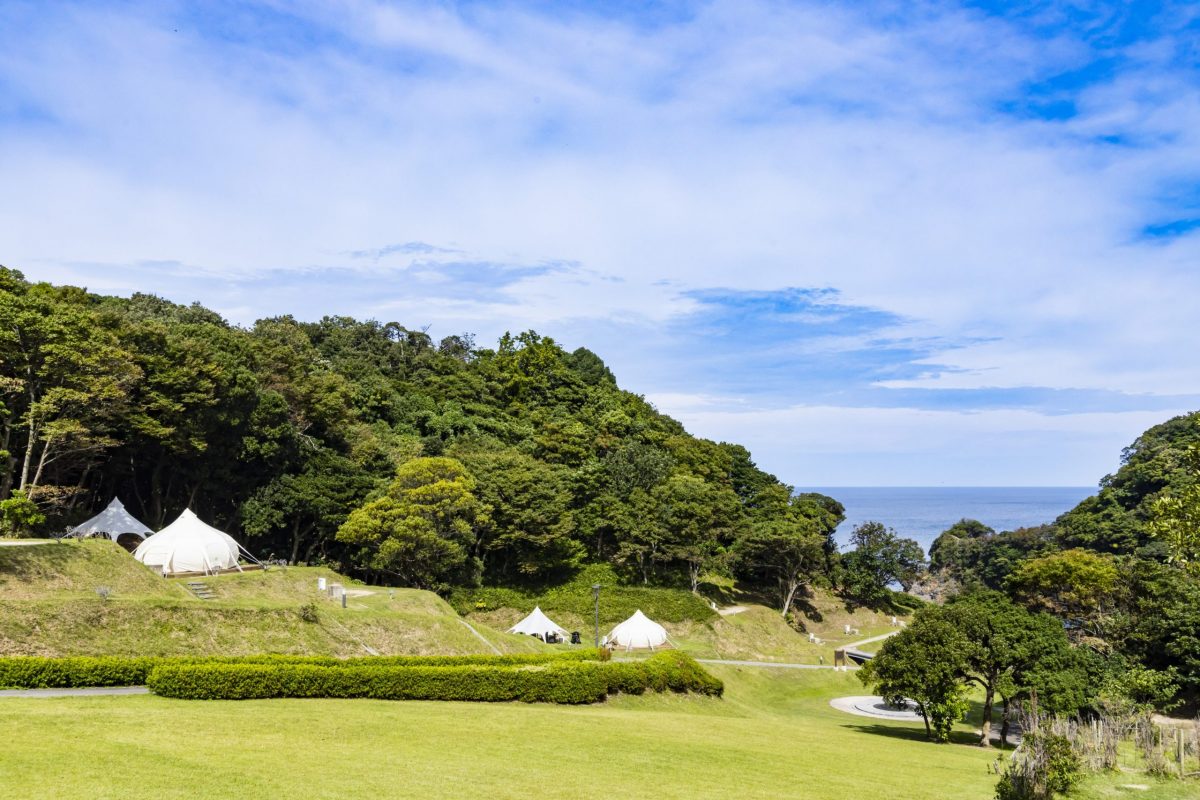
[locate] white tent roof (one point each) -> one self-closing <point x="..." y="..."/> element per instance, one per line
<point x="537" y="622"/>
<point x="638" y="632"/>
<point x="189" y="545"/>
<point x="111" y="522"/>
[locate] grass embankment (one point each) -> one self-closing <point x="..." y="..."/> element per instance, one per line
<point x="49" y="606"/>
<point x="754" y="633"/>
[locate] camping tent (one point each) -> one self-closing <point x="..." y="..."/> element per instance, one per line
<point x="112" y="522"/>
<point x="638" y="632"/>
<point x="188" y="545"/>
<point x="537" y="624"/>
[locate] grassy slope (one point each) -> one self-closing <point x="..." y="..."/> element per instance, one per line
<point x="756" y="634"/>
<point x="49" y="606"/>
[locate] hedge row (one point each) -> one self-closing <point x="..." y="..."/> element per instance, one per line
<point x="32" y="672"/>
<point x="555" y="683"/>
<point x="668" y="670"/>
<point x="560" y="681"/>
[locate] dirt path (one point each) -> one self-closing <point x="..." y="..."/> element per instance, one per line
<point x="725" y="612"/>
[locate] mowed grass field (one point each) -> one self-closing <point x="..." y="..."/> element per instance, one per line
<point x="774" y="735"/>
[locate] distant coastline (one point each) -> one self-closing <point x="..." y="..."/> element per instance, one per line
<point x="922" y="512"/>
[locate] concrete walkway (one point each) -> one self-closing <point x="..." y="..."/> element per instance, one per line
<point x="881" y="637"/>
<point x="94" y="690"/>
<point x="779" y="664"/>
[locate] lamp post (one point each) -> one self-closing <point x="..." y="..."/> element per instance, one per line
<point x="596" y="597"/>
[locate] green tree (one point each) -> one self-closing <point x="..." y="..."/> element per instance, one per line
<point x="879" y="558"/>
<point x="422" y="530"/>
<point x="923" y="663"/>
<point x="1006" y="645"/>
<point x="788" y="545"/>
<point x="1071" y="583"/>
<point x="1175" y="520"/>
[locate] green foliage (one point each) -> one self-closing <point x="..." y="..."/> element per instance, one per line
<point x="923" y="663"/>
<point x="1175" y="521"/>
<point x="790" y="541"/>
<point x="19" y="515"/>
<point x="1044" y="767"/>
<point x="421" y="531"/>
<point x="566" y="683"/>
<point x="1071" y="583"/>
<point x="879" y="558"/>
<point x="1160" y="463"/>
<point x="32" y="672"/>
<point x="555" y="680"/>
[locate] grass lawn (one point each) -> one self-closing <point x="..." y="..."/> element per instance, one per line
<point x="774" y="735"/>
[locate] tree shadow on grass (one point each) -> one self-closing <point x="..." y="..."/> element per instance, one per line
<point x="912" y="734"/>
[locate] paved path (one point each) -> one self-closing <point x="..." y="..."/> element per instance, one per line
<point x="480" y="636"/>
<point x="730" y="610"/>
<point x="24" y="542"/>
<point x="874" y="707"/>
<point x="782" y="665"/>
<point x="95" y="690"/>
<point x="856" y="645"/>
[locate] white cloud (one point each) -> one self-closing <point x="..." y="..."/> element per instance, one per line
<point x="755" y="145"/>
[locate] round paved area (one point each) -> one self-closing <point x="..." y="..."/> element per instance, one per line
<point x="874" y="707"/>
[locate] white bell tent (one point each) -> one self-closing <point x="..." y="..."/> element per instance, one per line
<point x="113" y="522"/>
<point x="538" y="624"/>
<point x="638" y="633"/>
<point x="189" y="545"/>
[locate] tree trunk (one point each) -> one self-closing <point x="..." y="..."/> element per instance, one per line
<point x="788" y="588"/>
<point x="1004" y="723"/>
<point x="41" y="467"/>
<point x="985" y="739"/>
<point x="28" y="460"/>
<point x="925" y="719"/>
<point x="10" y="463"/>
<point x="694" y="576"/>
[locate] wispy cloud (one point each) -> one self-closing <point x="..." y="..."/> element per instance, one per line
<point x="940" y="206"/>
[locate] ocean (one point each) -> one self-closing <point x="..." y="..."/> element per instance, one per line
<point x="923" y="512"/>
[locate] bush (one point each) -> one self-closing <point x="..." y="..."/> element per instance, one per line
<point x="669" y="670"/>
<point x="555" y="683"/>
<point x="31" y="672"/>
<point x="1045" y="766"/>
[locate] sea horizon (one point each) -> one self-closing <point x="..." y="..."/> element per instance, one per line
<point x="923" y="512"/>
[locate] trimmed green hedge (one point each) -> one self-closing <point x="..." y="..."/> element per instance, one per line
<point x="560" y="681"/>
<point x="570" y="682"/>
<point x="668" y="670"/>
<point x="32" y="672"/>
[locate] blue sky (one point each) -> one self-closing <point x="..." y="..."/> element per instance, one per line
<point x="879" y="243"/>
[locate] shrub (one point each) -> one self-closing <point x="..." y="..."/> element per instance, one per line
<point x="1045" y="765"/>
<point x="669" y="670"/>
<point x="31" y="672"/>
<point x="556" y="683"/>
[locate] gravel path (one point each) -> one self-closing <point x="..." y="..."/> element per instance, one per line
<point x="95" y="690"/>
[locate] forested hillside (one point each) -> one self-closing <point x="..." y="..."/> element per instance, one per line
<point x="369" y="445"/>
<point x="1121" y="571"/>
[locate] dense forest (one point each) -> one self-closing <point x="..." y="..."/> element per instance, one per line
<point x="370" y="447"/>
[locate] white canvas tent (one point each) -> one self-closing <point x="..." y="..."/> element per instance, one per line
<point x="538" y="624"/>
<point x="112" y="522"/>
<point x="189" y="545"/>
<point x="638" y="633"/>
